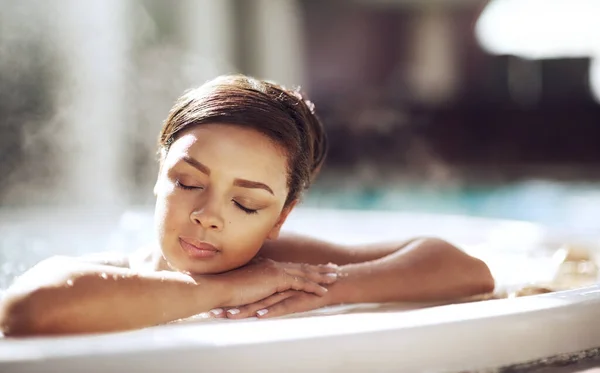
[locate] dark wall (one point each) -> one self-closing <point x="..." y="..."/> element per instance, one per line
<point x="508" y="119"/>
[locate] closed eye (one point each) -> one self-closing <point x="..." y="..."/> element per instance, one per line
<point x="245" y="209"/>
<point x="187" y="187"/>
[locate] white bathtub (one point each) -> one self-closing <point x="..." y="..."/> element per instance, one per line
<point x="360" y="338"/>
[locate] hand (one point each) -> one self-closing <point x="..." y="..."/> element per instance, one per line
<point x="263" y="278"/>
<point x="291" y="301"/>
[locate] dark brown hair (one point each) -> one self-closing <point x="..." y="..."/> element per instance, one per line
<point x="283" y="115"/>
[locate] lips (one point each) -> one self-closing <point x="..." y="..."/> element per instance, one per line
<point x="197" y="249"/>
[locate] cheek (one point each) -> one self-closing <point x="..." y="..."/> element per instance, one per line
<point x="250" y="230"/>
<point x="160" y="217"/>
<point x="244" y="240"/>
<point x="168" y="212"/>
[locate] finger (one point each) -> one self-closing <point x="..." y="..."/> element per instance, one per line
<point x="327" y="268"/>
<point x="302" y="284"/>
<point x="312" y="273"/>
<point x="250" y="309"/>
<point x="217" y="313"/>
<point x="286" y="307"/>
<point x="318" y="268"/>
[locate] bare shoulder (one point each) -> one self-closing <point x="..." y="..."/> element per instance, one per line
<point x="109" y="258"/>
<point x="141" y="259"/>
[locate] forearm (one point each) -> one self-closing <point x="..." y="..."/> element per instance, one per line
<point x="85" y="298"/>
<point x="425" y="270"/>
<point x="296" y="248"/>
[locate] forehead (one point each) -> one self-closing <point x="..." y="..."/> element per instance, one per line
<point x="233" y="151"/>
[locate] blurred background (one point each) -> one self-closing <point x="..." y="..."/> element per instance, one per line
<point x="485" y="108"/>
<point x="467" y="107"/>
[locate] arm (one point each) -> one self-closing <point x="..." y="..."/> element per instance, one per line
<point x="66" y="295"/>
<point x="419" y="270"/>
<point x="303" y="249"/>
<point x="426" y="269"/>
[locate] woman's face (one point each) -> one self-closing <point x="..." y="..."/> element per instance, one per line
<point x="220" y="193"/>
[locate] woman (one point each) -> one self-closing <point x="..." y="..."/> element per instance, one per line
<point x="235" y="156"/>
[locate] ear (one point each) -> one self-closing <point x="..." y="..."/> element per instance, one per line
<point x="274" y="234"/>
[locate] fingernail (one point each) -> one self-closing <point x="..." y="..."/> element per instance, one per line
<point x="262" y="312"/>
<point x="216" y="311"/>
<point x="233" y="311"/>
<point x="332" y="275"/>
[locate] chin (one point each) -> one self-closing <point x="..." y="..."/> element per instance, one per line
<point x="195" y="268"/>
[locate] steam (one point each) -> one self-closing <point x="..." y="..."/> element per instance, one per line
<point x="84" y="88"/>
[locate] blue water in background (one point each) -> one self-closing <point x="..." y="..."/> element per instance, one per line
<point x="549" y="203"/>
<point x="27" y="236"/>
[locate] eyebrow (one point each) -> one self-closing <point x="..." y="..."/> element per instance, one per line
<point x="237" y="182"/>
<point x="197" y="165"/>
<point x="252" y="184"/>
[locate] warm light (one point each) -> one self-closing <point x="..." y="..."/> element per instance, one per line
<point x="540" y="28"/>
<point x="537" y="29"/>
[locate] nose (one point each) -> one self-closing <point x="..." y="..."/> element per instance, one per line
<point x="207" y="218"/>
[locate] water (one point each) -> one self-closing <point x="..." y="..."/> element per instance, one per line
<point x="30" y="235"/>
<point x="551" y="203"/>
<point x="27" y="236"/>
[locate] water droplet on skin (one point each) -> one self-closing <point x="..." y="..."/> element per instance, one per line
<point x="69" y="282"/>
<point x="104" y="275"/>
